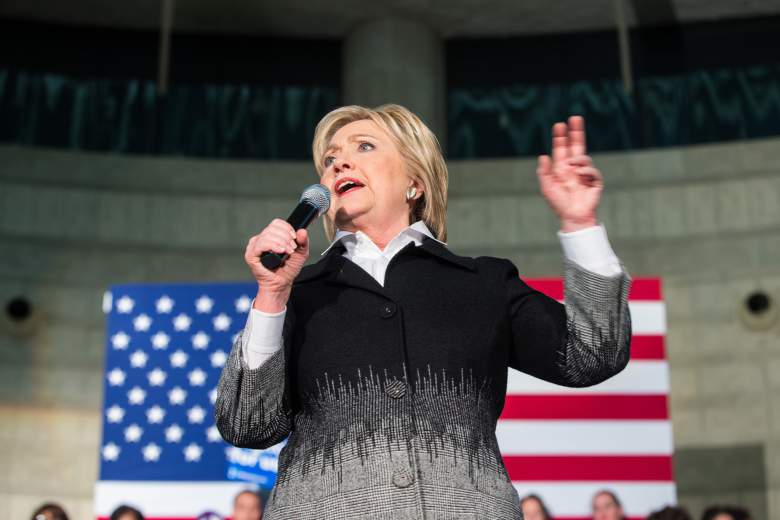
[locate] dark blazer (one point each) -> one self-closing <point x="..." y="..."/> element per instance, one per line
<point x="390" y="395"/>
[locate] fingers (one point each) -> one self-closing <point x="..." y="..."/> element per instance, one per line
<point x="560" y="142"/>
<point x="568" y="140"/>
<point x="544" y="168"/>
<point x="579" y="160"/>
<point x="544" y="164"/>
<point x="284" y="235"/>
<point x="590" y="176"/>
<point x="282" y="225"/>
<point x="302" y="241"/>
<point x="279" y="237"/>
<point x="576" y="136"/>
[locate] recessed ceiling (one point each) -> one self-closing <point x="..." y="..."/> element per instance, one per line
<point x="336" y="18"/>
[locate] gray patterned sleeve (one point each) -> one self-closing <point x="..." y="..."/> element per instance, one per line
<point x="252" y="409"/>
<point x="579" y="343"/>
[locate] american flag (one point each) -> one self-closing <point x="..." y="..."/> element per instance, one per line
<point x="160" y="451"/>
<point x="564" y="444"/>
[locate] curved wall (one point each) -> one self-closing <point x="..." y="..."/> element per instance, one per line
<point x="705" y="218"/>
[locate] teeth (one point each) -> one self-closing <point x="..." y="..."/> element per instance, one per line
<point x="347" y="185"/>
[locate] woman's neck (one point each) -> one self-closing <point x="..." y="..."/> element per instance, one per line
<point x="380" y="234"/>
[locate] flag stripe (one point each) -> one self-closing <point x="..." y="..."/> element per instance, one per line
<point x="563" y="406"/>
<point x="631" y="437"/>
<point x="648" y="318"/>
<point x="639" y="377"/>
<point x="178" y="499"/>
<point x="573" y="499"/>
<point x="593" y="467"/>
<point x="648" y="347"/>
<point x="641" y="288"/>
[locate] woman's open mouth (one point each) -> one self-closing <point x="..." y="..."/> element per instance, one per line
<point x="347" y="185"/>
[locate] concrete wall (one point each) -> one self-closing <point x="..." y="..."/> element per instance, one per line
<point x="705" y="218"/>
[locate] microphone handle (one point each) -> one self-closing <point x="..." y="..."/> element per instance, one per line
<point x="301" y="217"/>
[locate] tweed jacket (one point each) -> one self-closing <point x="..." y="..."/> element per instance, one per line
<point x="390" y="395"/>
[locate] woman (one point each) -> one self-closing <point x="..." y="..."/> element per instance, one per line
<point x="125" y="512"/>
<point x="50" y="511"/>
<point x="607" y="506"/>
<point x="725" y="513"/>
<point x="534" y="508"/>
<point x="386" y="360"/>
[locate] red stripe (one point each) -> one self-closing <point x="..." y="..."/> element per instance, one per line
<point x="590" y="467"/>
<point x="648" y="347"/>
<point x="574" y="407"/>
<point x="641" y="288"/>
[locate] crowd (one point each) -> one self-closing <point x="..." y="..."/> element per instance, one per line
<point x="248" y="505"/>
<point x="605" y="505"/>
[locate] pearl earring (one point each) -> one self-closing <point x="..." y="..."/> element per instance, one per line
<point x="411" y="191"/>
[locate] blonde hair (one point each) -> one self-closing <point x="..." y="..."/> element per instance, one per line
<point x="417" y="145"/>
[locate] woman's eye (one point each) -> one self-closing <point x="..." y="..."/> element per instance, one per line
<point x="328" y="160"/>
<point x="364" y="146"/>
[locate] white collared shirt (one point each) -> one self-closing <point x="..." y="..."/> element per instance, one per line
<point x="262" y="336"/>
<point x="362" y="250"/>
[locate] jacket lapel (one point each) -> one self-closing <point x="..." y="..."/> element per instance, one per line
<point x="335" y="268"/>
<point x="440" y="251"/>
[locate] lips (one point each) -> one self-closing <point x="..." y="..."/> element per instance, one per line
<point x="347" y="185"/>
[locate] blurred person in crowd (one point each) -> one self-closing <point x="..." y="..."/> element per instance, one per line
<point x="725" y="513"/>
<point x="247" y="506"/>
<point x="670" y="513"/>
<point x="50" y="511"/>
<point x="534" y="508"/>
<point x="209" y="515"/>
<point x="124" y="512"/>
<point x="606" y="506"/>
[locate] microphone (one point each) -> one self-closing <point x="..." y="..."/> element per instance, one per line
<point x="314" y="201"/>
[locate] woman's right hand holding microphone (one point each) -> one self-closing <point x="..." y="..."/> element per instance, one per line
<point x="274" y="287"/>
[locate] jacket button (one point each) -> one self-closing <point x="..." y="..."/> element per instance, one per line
<point x="395" y="389"/>
<point x="402" y="477"/>
<point x="387" y="310"/>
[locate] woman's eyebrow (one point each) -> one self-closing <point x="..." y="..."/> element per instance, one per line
<point x="353" y="137"/>
<point x="356" y="136"/>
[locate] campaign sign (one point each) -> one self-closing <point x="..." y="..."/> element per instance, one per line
<point x="256" y="466"/>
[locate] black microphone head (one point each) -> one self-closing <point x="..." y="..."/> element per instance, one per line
<point x="318" y="196"/>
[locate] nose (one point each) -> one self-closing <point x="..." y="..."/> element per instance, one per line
<point x="341" y="164"/>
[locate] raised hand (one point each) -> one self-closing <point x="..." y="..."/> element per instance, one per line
<point x="570" y="183"/>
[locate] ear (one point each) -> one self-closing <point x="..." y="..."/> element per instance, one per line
<point x="419" y="189"/>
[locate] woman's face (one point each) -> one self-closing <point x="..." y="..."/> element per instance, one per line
<point x="363" y="153"/>
<point x="532" y="510"/>
<point x="604" y="508"/>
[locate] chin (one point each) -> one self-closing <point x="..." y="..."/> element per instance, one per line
<point x="350" y="213"/>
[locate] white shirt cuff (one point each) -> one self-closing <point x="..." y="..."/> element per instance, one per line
<point x="262" y="335"/>
<point x="590" y="249"/>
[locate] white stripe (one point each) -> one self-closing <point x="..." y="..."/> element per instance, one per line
<point x="172" y="499"/>
<point x="639" y="377"/>
<point x="574" y="498"/>
<point x="628" y="437"/>
<point x="647" y="317"/>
